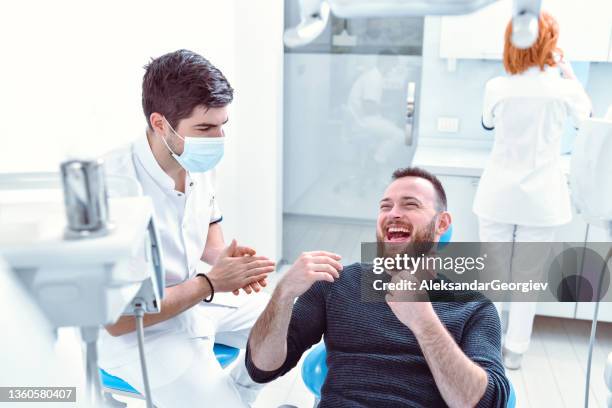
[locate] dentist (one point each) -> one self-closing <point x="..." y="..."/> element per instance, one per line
<point x="185" y="100"/>
<point x="523" y="195"/>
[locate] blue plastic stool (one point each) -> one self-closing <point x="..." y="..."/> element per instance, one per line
<point x="115" y="385"/>
<point x="314" y="371"/>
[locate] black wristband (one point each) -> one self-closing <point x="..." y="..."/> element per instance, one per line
<point x="212" y="288"/>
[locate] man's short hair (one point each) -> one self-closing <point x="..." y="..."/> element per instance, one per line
<point x="177" y="82"/>
<point x="441" y="203"/>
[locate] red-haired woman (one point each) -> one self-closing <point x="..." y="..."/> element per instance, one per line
<point x="523" y="195"/>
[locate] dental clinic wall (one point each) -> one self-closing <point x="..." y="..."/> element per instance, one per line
<point x="72" y="71"/>
<point x="70" y="85"/>
<point x="459" y="93"/>
<point x="252" y="195"/>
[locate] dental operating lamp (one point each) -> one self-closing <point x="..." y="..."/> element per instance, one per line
<point x="87" y="260"/>
<point x="525" y="15"/>
<point x="314" y="15"/>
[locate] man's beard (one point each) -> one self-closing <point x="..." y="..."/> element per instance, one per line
<point x="421" y="244"/>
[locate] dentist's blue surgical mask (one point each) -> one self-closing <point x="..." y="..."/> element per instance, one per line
<point x="200" y="154"/>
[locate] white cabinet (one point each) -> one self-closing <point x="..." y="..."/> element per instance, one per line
<point x="585" y="311"/>
<point x="584" y="27"/>
<point x="557" y="309"/>
<point x="584" y="35"/>
<point x="476" y="35"/>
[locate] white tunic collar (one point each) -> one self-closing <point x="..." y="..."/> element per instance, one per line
<point x="149" y="163"/>
<point x="548" y="70"/>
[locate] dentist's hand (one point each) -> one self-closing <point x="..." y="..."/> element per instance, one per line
<point x="307" y="269"/>
<point x="230" y="273"/>
<point x="253" y="287"/>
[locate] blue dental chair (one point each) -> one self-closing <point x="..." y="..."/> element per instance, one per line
<point x="115" y="385"/>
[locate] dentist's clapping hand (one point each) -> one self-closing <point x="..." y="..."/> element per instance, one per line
<point x="236" y="268"/>
<point x="255" y="286"/>
<point x="307" y="269"/>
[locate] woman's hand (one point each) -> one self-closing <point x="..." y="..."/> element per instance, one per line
<point x="566" y="69"/>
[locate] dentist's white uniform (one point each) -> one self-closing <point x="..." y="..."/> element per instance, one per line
<point x="183" y="370"/>
<point x="523" y="194"/>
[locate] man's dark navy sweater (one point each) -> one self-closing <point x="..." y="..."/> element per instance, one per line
<point x="373" y="359"/>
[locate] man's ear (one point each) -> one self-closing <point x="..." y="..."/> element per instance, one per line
<point x="157" y="122"/>
<point x="444" y="222"/>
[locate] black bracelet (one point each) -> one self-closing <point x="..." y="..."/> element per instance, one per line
<point x="212" y="288"/>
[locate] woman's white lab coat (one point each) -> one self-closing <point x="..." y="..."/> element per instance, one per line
<point x="523" y="182"/>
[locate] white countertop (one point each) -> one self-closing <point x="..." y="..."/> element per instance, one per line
<point x="33" y="231"/>
<point x="459" y="161"/>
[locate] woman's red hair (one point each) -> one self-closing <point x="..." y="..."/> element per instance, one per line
<point x="541" y="53"/>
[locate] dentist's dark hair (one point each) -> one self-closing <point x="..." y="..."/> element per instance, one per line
<point x="441" y="203"/>
<point x="177" y="82"/>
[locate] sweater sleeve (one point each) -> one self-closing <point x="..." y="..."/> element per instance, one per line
<point x="481" y="342"/>
<point x="306" y="327"/>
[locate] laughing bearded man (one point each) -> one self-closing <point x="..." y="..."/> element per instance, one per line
<point x="391" y="353"/>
